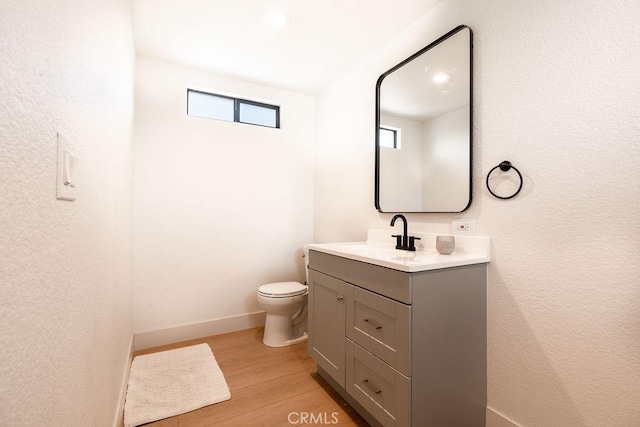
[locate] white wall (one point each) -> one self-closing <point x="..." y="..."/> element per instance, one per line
<point x="65" y="267"/>
<point x="556" y="92"/>
<point x="220" y="208"/>
<point x="401" y="185"/>
<point x="445" y="160"/>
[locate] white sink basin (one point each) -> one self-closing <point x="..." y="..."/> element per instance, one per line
<point x="469" y="250"/>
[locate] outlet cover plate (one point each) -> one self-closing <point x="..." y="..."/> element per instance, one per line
<point x="463" y="226"/>
<point x="65" y="185"/>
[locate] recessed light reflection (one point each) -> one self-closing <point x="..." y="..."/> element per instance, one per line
<point x="441" y="78"/>
<point x="277" y="20"/>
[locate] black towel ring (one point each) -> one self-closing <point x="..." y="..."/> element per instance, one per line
<point x="504" y="167"/>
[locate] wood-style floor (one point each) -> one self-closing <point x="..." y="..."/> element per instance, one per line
<point x="269" y="387"/>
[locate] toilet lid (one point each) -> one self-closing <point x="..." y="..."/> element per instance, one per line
<point x="282" y="289"/>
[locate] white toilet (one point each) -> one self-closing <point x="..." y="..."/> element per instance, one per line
<point x="286" y="307"/>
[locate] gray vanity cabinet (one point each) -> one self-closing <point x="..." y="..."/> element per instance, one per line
<point x="326" y="327"/>
<point x="381" y="390"/>
<point x="404" y="349"/>
<point x="381" y="326"/>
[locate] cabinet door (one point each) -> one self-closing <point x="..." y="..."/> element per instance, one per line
<point x="327" y="324"/>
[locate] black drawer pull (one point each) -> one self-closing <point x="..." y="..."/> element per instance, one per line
<point x="372" y="323"/>
<point x="372" y="386"/>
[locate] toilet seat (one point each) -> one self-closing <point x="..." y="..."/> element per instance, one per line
<point x="282" y="290"/>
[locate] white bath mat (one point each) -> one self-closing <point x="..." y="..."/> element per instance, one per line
<point x="173" y="382"/>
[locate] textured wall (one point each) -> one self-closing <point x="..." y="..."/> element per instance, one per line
<point x="220" y="208"/>
<point x="65" y="267"/>
<point x="556" y="92"/>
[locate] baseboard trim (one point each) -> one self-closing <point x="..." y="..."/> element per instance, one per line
<point x="118" y="419"/>
<point x="496" y="419"/>
<point x="192" y="331"/>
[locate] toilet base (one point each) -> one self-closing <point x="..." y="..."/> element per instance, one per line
<point x="278" y="332"/>
<point x="292" y="341"/>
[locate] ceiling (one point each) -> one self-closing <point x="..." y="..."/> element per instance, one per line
<point x="322" y="40"/>
<point x="412" y="91"/>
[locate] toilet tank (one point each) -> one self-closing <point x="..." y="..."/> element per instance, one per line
<point x="305" y="257"/>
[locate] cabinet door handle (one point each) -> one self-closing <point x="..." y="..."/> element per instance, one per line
<point x="340" y="298"/>
<point x="374" y="388"/>
<point x="373" y="323"/>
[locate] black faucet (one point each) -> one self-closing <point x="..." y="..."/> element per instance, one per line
<point x="404" y="241"/>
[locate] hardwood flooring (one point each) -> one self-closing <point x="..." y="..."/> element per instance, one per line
<point x="269" y="387"/>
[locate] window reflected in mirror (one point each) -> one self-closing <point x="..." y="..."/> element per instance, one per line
<point x="389" y="137"/>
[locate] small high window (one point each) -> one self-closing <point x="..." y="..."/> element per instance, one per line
<point x="389" y="137"/>
<point x="220" y="107"/>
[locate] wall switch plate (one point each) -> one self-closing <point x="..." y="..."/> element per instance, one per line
<point x="65" y="187"/>
<point x="463" y="226"/>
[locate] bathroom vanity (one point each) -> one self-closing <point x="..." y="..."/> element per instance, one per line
<point x="400" y="335"/>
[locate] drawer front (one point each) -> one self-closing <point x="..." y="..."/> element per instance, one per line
<point x="384" y="392"/>
<point x="380" y="325"/>
<point x="385" y="281"/>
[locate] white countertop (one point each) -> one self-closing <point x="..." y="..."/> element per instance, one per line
<point x="379" y="249"/>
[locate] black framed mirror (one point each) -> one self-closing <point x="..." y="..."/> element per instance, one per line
<point x="424" y="129"/>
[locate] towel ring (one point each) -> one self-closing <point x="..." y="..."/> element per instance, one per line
<point x="504" y="167"/>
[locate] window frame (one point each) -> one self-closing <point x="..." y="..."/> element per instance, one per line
<point x="236" y="108"/>
<point x="396" y="136"/>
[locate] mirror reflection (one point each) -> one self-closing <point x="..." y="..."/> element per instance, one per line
<point x="423" y="123"/>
